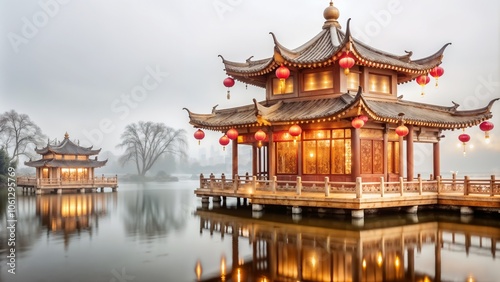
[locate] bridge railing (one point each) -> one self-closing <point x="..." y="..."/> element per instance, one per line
<point x="252" y="184"/>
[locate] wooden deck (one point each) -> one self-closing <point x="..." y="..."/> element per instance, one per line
<point x="357" y="196"/>
<point x="40" y="186"/>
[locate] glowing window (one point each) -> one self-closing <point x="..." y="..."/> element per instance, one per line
<point x="282" y="87"/>
<point x="318" y="80"/>
<point x="378" y="83"/>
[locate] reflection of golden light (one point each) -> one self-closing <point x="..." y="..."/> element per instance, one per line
<point x="198" y="270"/>
<point x="470" y="278"/>
<point x="311" y="154"/>
<point x="426" y="279"/>
<point x="397" y="262"/>
<point x="364" y="263"/>
<point x="313" y="261"/>
<point x="379" y="259"/>
<point x="263" y="279"/>
<point x="223" y="266"/>
<point x="239" y="275"/>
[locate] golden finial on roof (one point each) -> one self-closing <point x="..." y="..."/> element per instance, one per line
<point x="331" y="14"/>
<point x="66" y="135"/>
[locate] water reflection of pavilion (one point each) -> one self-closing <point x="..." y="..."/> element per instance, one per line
<point x="291" y="252"/>
<point x="67" y="214"/>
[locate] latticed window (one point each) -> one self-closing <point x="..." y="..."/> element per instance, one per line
<point x="327" y="152"/>
<point x="286" y="161"/>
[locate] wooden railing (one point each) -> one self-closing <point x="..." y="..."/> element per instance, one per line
<point x="465" y="186"/>
<point x="50" y="182"/>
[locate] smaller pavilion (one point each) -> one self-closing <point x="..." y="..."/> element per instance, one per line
<point x="67" y="165"/>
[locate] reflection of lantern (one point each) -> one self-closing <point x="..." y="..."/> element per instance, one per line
<point x="402" y="130"/>
<point x="232" y="134"/>
<point x="486" y="126"/>
<point x="228" y="82"/>
<point x="295" y="130"/>
<point x="346" y="61"/>
<point x="260" y="136"/>
<point x="422" y="81"/>
<point x="436" y="72"/>
<point x="199" y="135"/>
<point x="224" y="140"/>
<point x="464" y="138"/>
<point x="357" y="122"/>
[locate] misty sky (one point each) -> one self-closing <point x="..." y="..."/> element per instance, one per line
<point x="74" y="65"/>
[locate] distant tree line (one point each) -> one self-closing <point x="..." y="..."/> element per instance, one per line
<point x="144" y="142"/>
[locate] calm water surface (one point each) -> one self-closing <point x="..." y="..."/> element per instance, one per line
<point x="160" y="232"/>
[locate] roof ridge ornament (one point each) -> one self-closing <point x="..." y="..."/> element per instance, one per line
<point x="331" y="15"/>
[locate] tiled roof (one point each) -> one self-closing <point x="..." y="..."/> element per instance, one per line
<point x="66" y="147"/>
<point x="337" y="107"/>
<point x="323" y="50"/>
<point x="66" y="163"/>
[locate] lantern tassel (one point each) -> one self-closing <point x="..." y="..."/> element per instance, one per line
<point x="228" y="95"/>
<point x="436" y="82"/>
<point x="346" y="71"/>
<point x="423" y="93"/>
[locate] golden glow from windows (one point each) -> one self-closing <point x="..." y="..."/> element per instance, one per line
<point x="379" y="83"/>
<point x="353" y="81"/>
<point x="380" y="260"/>
<point x="280" y="87"/>
<point x="318" y="80"/>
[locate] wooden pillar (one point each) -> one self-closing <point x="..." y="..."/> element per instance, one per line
<point x="409" y="154"/>
<point x="401" y="157"/>
<point x="386" y="153"/>
<point x="271" y="157"/>
<point x="436" y="159"/>
<point x="254" y="159"/>
<point x="355" y="153"/>
<point x="235" y="158"/>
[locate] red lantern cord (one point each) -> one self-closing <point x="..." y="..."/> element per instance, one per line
<point x="436" y="72"/>
<point x="422" y="81"/>
<point x="228" y="82"/>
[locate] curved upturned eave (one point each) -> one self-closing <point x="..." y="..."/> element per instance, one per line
<point x="446" y="118"/>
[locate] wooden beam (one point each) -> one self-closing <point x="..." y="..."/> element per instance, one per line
<point x="409" y="154"/>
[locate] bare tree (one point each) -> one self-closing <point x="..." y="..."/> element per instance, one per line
<point x="18" y="132"/>
<point x="145" y="142"/>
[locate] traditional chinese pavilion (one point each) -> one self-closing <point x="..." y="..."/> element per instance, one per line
<point x="332" y="109"/>
<point x="67" y="165"/>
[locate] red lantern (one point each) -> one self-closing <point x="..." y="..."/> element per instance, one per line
<point x="282" y="73"/>
<point x="295" y="130"/>
<point x="486" y="126"/>
<point x="347" y="61"/>
<point x="232" y="134"/>
<point x="224" y="140"/>
<point x="260" y="136"/>
<point x="436" y="72"/>
<point x="199" y="135"/>
<point x="228" y="82"/>
<point x="402" y="130"/>
<point x="363" y="118"/>
<point x="422" y="81"/>
<point x="464" y="138"/>
<point x="357" y="122"/>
